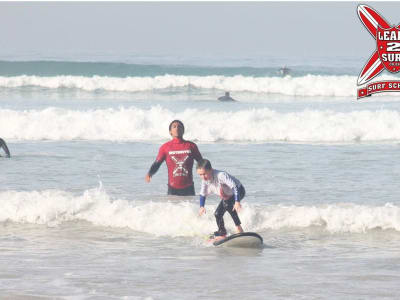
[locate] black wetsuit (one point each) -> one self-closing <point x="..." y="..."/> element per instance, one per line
<point x="187" y="191"/>
<point x="5" y="148"/>
<point x="227" y="206"/>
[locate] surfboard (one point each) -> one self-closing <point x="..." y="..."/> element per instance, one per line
<point x="241" y="240"/>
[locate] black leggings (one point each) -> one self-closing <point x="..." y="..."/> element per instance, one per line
<point x="187" y="191"/>
<point x="227" y="205"/>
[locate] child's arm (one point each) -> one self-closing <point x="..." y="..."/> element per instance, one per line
<point x="226" y="179"/>
<point x="203" y="194"/>
<point x="237" y="206"/>
<point x="202" y="203"/>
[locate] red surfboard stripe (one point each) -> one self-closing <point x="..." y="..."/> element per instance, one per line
<point x="378" y="69"/>
<point x="370" y="62"/>
<point x="378" y="18"/>
<point x="370" y="27"/>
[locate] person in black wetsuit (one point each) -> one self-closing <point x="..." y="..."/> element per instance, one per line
<point x="284" y="71"/>
<point x="227" y="97"/>
<point x="3" y="145"/>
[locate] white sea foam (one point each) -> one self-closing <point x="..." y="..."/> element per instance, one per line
<point x="53" y="207"/>
<point x="341" y="217"/>
<point x="309" y="85"/>
<point x="256" y="125"/>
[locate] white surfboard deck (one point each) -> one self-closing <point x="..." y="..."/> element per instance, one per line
<point x="241" y="240"/>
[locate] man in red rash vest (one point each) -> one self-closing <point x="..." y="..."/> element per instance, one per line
<point x="178" y="155"/>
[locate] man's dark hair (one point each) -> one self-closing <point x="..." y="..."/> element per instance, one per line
<point x="178" y="121"/>
<point x="204" y="164"/>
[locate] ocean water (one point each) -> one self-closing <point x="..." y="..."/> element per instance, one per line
<point x="78" y="220"/>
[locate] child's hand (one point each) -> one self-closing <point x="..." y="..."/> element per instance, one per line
<point x="237" y="206"/>
<point x="202" y="210"/>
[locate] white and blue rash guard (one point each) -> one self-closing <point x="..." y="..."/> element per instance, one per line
<point x="222" y="184"/>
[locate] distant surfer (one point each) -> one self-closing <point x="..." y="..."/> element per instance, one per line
<point x="228" y="188"/>
<point x="227" y="97"/>
<point x="178" y="155"/>
<point x="284" y="71"/>
<point x="3" y="145"/>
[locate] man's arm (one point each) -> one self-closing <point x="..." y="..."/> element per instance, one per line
<point x="154" y="168"/>
<point x="156" y="164"/>
<point x="4" y="146"/>
<point x="196" y="153"/>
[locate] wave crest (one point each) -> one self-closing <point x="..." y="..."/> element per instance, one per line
<point x="256" y="125"/>
<point x="309" y="85"/>
<point x="53" y="207"/>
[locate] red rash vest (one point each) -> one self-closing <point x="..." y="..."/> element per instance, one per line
<point x="179" y="155"/>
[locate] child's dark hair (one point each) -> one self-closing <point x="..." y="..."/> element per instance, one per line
<point x="178" y="121"/>
<point x="204" y="164"/>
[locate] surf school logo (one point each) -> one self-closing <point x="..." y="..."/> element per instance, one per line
<point x="386" y="56"/>
<point x="387" y="48"/>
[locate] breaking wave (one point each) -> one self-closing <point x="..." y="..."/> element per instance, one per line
<point x="256" y="125"/>
<point x="53" y="207"/>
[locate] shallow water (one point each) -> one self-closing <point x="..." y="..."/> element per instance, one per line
<point x="78" y="220"/>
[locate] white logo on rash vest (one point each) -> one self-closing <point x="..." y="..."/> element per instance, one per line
<point x="180" y="160"/>
<point x="180" y="152"/>
<point x="179" y="167"/>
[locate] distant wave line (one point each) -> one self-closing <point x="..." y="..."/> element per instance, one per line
<point x="309" y="85"/>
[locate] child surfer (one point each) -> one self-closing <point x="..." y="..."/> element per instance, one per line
<point x="228" y="188"/>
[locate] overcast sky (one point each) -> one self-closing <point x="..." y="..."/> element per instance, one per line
<point x="190" y="28"/>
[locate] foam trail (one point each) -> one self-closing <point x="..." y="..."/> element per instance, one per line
<point x="309" y="85"/>
<point x="53" y="207"/>
<point x="335" y="218"/>
<point x="257" y="125"/>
